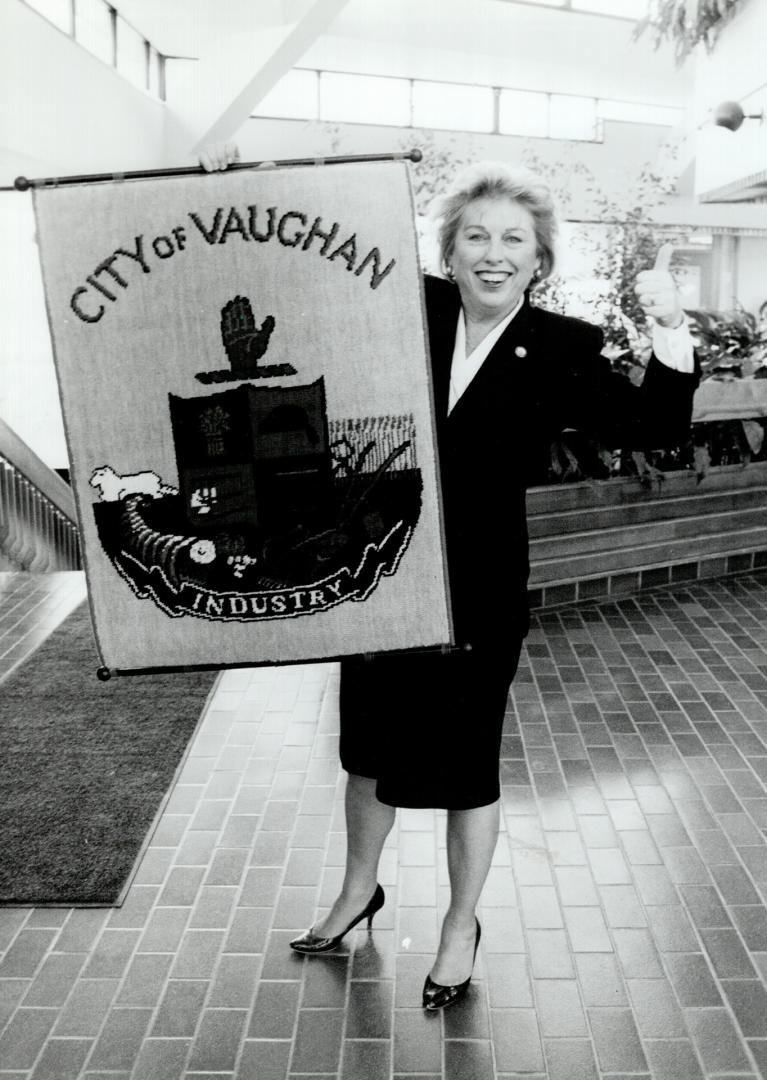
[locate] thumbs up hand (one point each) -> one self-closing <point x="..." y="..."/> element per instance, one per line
<point x="657" y="292"/>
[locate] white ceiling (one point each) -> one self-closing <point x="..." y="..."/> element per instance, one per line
<point x="370" y="34"/>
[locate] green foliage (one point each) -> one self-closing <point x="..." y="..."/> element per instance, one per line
<point x="721" y="442"/>
<point x="632" y="244"/>
<point x="441" y="160"/>
<point x="725" y="442"/>
<point x="685" y="23"/>
<point x="731" y="343"/>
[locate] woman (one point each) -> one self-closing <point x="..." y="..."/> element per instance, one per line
<point x="424" y="730"/>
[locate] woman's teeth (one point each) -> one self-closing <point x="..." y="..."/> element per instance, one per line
<point x="493" y="279"/>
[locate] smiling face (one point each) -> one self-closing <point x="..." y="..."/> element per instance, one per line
<point x="494" y="256"/>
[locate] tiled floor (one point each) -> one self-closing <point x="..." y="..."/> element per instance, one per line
<point x="624" y="920"/>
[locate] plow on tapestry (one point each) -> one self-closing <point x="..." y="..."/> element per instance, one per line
<point x="245" y="384"/>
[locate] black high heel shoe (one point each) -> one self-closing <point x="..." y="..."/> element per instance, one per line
<point x="440" y="997"/>
<point x="312" y="943"/>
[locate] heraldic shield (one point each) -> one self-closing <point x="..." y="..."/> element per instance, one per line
<point x="256" y="480"/>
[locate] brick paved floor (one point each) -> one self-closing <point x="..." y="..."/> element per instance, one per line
<point x="624" y="920"/>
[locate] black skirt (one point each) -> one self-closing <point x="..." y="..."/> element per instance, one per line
<point x="427" y="726"/>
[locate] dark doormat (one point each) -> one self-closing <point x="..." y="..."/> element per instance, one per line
<point x="84" y="768"/>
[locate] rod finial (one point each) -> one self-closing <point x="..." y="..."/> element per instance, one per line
<point x="21" y="183"/>
<point x="416" y="154"/>
<point x="103" y="674"/>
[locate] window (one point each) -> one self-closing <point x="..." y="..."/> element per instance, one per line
<point x="619" y="9"/>
<point x="99" y="28"/>
<point x="452" y="105"/>
<point x="635" y="113"/>
<point x="368" y="99"/>
<point x="346" y="97"/>
<point x="94" y="29"/>
<point x="59" y="12"/>
<point x="155" y="79"/>
<point x="294" y="97"/>
<point x="131" y="54"/>
<point x="523" y="113"/>
<point x="623" y="9"/>
<point x="572" y="117"/>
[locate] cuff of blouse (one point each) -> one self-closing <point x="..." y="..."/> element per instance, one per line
<point x="674" y="347"/>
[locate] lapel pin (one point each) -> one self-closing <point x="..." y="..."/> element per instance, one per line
<point x="520" y="351"/>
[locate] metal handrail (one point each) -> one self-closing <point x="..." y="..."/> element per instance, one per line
<point x="38" y="530"/>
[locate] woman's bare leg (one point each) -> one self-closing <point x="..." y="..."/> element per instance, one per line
<point x="368" y="823"/>
<point x="471" y="839"/>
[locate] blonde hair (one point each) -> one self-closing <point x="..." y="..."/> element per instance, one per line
<point x="497" y="180"/>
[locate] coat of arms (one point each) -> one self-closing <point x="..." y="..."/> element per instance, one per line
<point x="280" y="511"/>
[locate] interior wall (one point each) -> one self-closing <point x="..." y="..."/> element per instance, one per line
<point x="734" y="71"/>
<point x="29" y="399"/>
<point x="63" y="111"/>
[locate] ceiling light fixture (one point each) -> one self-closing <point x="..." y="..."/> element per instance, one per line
<point x="730" y="115"/>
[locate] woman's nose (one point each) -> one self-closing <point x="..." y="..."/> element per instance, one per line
<point x="494" y="250"/>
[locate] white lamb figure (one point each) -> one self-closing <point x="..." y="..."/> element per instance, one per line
<point x="112" y="487"/>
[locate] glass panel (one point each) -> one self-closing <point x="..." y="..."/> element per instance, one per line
<point x="294" y="97"/>
<point x="93" y="28"/>
<point x="636" y="113"/>
<point x="59" y="12"/>
<point x="523" y="113"/>
<point x="452" y="105"/>
<point x="131" y="54"/>
<point x="364" y="99"/>
<point x="625" y="9"/>
<point x="155" y="72"/>
<point x="572" y="117"/>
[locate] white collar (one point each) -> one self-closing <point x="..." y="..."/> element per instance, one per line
<point x="463" y="368"/>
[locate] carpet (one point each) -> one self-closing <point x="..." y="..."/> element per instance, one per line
<point x="85" y="767"/>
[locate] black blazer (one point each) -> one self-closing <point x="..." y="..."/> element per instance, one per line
<point x="545" y="373"/>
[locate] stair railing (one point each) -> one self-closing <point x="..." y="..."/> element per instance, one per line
<point x="38" y="530"/>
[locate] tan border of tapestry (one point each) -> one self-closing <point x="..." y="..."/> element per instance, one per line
<point x="244" y="375"/>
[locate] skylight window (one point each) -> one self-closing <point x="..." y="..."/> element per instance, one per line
<point x="452" y="105"/>
<point x="94" y="29"/>
<point x="59" y="12"/>
<point x="347" y="97"/>
<point x="295" y="97"/>
<point x="367" y="99"/>
<point x="100" y="28"/>
<point x="523" y="112"/>
<point x="617" y="9"/>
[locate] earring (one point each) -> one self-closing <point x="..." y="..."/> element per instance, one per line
<point x="449" y="272"/>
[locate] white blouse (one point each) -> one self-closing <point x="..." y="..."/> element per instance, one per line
<point x="464" y="368"/>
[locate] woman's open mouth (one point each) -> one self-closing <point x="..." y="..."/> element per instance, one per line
<point x="494" y="279"/>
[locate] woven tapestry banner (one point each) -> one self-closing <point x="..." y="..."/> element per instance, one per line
<point x="244" y="378"/>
